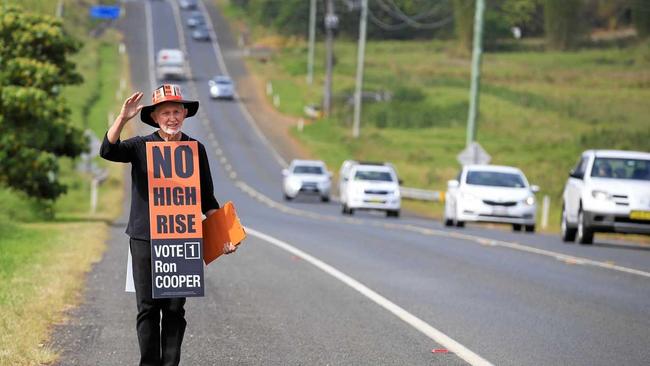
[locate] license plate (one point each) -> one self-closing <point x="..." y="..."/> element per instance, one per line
<point x="640" y="215"/>
<point x="499" y="211"/>
<point x="375" y="200"/>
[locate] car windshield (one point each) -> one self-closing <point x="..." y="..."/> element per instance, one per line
<point x="307" y="169"/>
<point x="495" y="179"/>
<point x="373" y="175"/>
<point x="223" y="82"/>
<point x="617" y="168"/>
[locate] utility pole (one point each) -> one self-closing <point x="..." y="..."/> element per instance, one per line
<point x="331" y="22"/>
<point x="312" y="40"/>
<point x="361" y="50"/>
<point x="59" y="9"/>
<point x="476" y="72"/>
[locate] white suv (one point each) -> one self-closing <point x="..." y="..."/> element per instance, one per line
<point x="607" y="191"/>
<point x="369" y="186"/>
<point x="306" y="176"/>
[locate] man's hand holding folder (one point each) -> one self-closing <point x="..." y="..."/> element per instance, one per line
<point x="222" y="232"/>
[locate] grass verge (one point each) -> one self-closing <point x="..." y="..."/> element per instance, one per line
<point x="43" y="263"/>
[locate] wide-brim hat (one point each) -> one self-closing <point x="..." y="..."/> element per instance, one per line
<point x="167" y="93"/>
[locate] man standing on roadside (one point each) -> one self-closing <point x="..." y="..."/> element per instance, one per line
<point x="160" y="338"/>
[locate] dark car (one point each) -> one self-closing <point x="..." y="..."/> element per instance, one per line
<point x="201" y="33"/>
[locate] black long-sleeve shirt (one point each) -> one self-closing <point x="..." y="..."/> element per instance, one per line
<point x="133" y="151"/>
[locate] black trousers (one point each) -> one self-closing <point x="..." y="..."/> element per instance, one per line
<point x="160" y="339"/>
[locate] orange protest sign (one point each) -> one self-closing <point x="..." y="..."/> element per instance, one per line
<point x="220" y="228"/>
<point x="175" y="218"/>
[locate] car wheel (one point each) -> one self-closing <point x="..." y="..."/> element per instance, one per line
<point x="530" y="228"/>
<point x="568" y="233"/>
<point x="447" y="222"/>
<point x="325" y="198"/>
<point x="460" y="223"/>
<point x="392" y="213"/>
<point x="346" y="210"/>
<point x="585" y="234"/>
<point x="516" y="227"/>
<point x="287" y="197"/>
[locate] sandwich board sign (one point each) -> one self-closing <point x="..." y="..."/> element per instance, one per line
<point x="473" y="154"/>
<point x="175" y="219"/>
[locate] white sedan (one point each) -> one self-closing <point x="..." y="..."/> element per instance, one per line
<point x="306" y="176"/>
<point x="491" y="193"/>
<point x="222" y="87"/>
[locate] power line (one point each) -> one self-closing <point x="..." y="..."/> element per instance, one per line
<point x="385" y="26"/>
<point x="406" y="20"/>
<point x="399" y="13"/>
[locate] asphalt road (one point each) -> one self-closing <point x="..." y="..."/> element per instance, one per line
<point x="312" y="287"/>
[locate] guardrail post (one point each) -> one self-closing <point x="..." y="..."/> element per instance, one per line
<point x="93" y="195"/>
<point x="546" y="203"/>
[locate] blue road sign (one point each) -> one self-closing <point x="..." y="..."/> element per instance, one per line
<point x="104" y="12"/>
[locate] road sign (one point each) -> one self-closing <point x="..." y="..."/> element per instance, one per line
<point x="473" y="154"/>
<point x="104" y="12"/>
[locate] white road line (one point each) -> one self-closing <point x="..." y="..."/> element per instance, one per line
<point x="181" y="40"/>
<point x="150" y="50"/>
<point x="222" y="64"/>
<point x="415" y="322"/>
<point x="447" y="234"/>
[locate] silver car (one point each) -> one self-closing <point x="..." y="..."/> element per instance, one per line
<point x="196" y="19"/>
<point x="188" y="4"/>
<point x="222" y="87"/>
<point x="306" y="177"/>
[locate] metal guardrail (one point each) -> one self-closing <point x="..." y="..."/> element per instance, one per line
<point x="422" y="194"/>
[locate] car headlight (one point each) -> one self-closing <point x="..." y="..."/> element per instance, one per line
<point x="294" y="183"/>
<point x="530" y="200"/>
<point x="601" y="195"/>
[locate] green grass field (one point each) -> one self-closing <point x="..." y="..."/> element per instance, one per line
<point x="538" y="110"/>
<point x="34" y="249"/>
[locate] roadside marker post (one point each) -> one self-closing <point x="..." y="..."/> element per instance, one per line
<point x="546" y="203"/>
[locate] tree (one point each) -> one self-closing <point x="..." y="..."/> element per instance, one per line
<point x="562" y="23"/>
<point x="641" y="17"/>
<point x="34" y="67"/>
<point x="464" y="22"/>
<point x="525" y="14"/>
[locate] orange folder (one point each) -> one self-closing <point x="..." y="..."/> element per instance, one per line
<point x="219" y="228"/>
